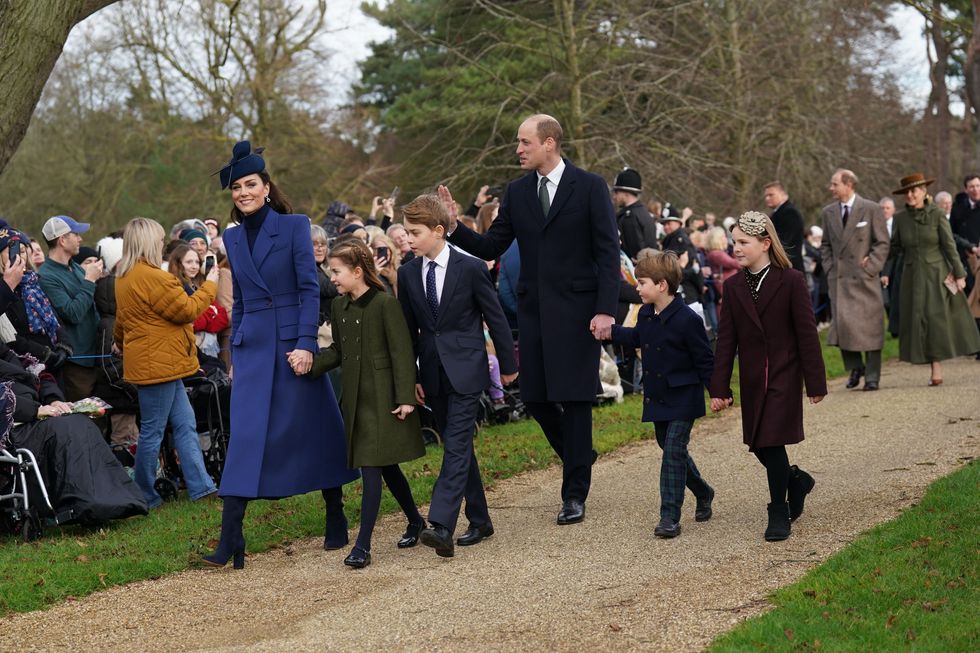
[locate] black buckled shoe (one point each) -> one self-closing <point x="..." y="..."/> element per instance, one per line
<point x="667" y="528"/>
<point x="702" y="512"/>
<point x="572" y="512"/>
<point x="475" y="535"/>
<point x="411" y="536"/>
<point x="358" y="558"/>
<point x="855" y="378"/>
<point x="800" y="485"/>
<point x="440" y="539"/>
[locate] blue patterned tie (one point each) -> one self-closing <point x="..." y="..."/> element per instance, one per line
<point x="431" y="295"/>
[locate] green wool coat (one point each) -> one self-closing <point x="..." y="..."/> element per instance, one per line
<point x="372" y="345"/>
<point x="933" y="324"/>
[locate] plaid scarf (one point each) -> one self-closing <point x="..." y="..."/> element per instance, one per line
<point x="40" y="315"/>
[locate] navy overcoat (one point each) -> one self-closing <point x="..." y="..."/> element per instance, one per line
<point x="569" y="274"/>
<point x="287" y="436"/>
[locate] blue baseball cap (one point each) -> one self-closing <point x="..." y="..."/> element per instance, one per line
<point x="60" y="225"/>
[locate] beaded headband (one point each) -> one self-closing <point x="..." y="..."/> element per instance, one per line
<point x="753" y="223"/>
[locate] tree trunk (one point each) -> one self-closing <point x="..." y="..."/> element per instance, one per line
<point x="972" y="76"/>
<point x="32" y="35"/>
<point x="939" y="99"/>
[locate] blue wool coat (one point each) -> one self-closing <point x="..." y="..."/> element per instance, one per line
<point x="287" y="436"/>
<point x="677" y="360"/>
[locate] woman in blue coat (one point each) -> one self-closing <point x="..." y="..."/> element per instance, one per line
<point x="287" y="436"/>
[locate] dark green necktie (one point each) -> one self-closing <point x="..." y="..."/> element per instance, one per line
<point x="543" y="196"/>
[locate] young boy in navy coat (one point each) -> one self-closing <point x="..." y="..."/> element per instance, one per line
<point x="446" y="297"/>
<point x="677" y="366"/>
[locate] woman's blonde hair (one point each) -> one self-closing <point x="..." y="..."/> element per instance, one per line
<point x="758" y="225"/>
<point x="142" y="239"/>
<point x="717" y="239"/>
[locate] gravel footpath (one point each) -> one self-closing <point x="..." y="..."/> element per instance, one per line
<point x="605" y="584"/>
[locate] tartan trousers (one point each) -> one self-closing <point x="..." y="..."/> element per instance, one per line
<point x="677" y="470"/>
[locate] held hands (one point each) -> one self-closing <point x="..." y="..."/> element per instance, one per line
<point x="403" y="411"/>
<point x="14" y="273"/>
<point x="718" y="404"/>
<point x="300" y="360"/>
<point x="450" y="204"/>
<point x="601" y="326"/>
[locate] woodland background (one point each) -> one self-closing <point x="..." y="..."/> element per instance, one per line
<point x="708" y="99"/>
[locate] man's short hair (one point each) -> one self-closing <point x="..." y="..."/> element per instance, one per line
<point x="661" y="266"/>
<point x="778" y="185"/>
<point x="548" y="127"/>
<point x="427" y="210"/>
<point x="847" y="177"/>
<point x="886" y="199"/>
<point x="970" y="177"/>
<point x="942" y="196"/>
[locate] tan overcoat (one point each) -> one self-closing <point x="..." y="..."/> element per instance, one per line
<point x="857" y="322"/>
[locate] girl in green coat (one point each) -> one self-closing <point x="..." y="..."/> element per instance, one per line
<point x="372" y="346"/>
<point x="934" y="319"/>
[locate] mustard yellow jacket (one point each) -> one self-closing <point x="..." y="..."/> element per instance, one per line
<point x="153" y="324"/>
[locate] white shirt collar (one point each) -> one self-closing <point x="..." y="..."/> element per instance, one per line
<point x="441" y="259"/>
<point x="849" y="203"/>
<point x="555" y="175"/>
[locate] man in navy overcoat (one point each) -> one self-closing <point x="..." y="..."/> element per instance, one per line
<point x="563" y="221"/>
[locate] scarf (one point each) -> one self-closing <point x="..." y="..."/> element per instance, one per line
<point x="40" y="315"/>
<point x="754" y="279"/>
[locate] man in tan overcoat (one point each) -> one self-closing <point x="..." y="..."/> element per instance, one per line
<point x="854" y="250"/>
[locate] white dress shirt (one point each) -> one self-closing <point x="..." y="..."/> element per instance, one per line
<point x="554" y="177"/>
<point x="442" y="263"/>
<point x="850" y="207"/>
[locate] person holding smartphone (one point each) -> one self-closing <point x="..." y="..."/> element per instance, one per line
<point x="387" y="259"/>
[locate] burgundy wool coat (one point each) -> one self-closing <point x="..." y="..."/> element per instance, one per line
<point x="778" y="349"/>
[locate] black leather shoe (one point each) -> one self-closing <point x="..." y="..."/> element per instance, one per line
<point x="411" y="536"/>
<point x="667" y="528"/>
<point x="870" y="385"/>
<point x="440" y="539"/>
<point x="702" y="512"/>
<point x="572" y="512"/>
<point x="595" y="456"/>
<point x="358" y="558"/>
<point x="475" y="535"/>
<point x="855" y="377"/>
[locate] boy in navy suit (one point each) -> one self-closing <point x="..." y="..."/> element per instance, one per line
<point x="446" y="297"/>
<point x="677" y="366"/>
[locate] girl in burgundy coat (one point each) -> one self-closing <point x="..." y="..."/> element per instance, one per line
<point x="768" y="320"/>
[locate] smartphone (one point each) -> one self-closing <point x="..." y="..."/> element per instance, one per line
<point x="14" y="250"/>
<point x="208" y="264"/>
<point x="394" y="193"/>
<point x="382" y="253"/>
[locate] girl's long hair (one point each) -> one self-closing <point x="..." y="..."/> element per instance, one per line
<point x="354" y="253"/>
<point x="142" y="239"/>
<point x="175" y="265"/>
<point x="277" y="200"/>
<point x="759" y="225"/>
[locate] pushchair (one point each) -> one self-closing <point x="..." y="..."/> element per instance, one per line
<point x="510" y="410"/>
<point x="210" y="397"/>
<point x="17" y="515"/>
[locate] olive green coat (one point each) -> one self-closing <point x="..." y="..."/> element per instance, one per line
<point x="372" y="345"/>
<point x="933" y="324"/>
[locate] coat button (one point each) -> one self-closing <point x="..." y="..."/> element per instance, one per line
<point x="357" y="321"/>
<point x="438" y="334"/>
<point x="646" y="400"/>
<point x="658" y="348"/>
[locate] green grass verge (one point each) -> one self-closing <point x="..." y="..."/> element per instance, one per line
<point x="73" y="562"/>
<point x="909" y="584"/>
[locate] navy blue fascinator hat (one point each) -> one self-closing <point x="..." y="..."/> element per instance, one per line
<point x="243" y="162"/>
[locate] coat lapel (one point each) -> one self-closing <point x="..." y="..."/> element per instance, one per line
<point x="531" y="197"/>
<point x="417" y="291"/>
<point x="770" y="286"/>
<point x="267" y="238"/>
<point x="241" y="259"/>
<point x="857" y="215"/>
<point x="742" y="287"/>
<point x="449" y="285"/>
<point x="565" y="189"/>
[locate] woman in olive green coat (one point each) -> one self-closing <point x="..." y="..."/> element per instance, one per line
<point x="372" y="345"/>
<point x="934" y="322"/>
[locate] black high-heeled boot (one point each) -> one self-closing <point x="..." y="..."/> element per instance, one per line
<point x="335" y="530"/>
<point x="232" y="542"/>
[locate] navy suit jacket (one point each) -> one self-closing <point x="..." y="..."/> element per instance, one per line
<point x="677" y="360"/>
<point x="569" y="273"/>
<point x="455" y="342"/>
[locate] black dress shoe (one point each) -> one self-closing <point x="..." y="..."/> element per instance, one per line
<point x="411" y="536"/>
<point x="702" y="512"/>
<point x="440" y="539"/>
<point x="870" y="385"/>
<point x="572" y="512"/>
<point x="855" y="377"/>
<point x="475" y="535"/>
<point x="358" y="558"/>
<point x="667" y="528"/>
<point x="595" y="456"/>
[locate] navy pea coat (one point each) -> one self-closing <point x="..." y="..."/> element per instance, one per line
<point x="677" y="360"/>
<point x="569" y="274"/>
<point x="287" y="435"/>
<point x="778" y="349"/>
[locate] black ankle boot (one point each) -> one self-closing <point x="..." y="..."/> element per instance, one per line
<point x="800" y="485"/>
<point x="778" y="528"/>
<point x="335" y="532"/>
<point x="232" y="542"/>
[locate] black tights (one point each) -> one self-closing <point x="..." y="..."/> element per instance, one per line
<point x="371" y="499"/>
<point x="777" y="471"/>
